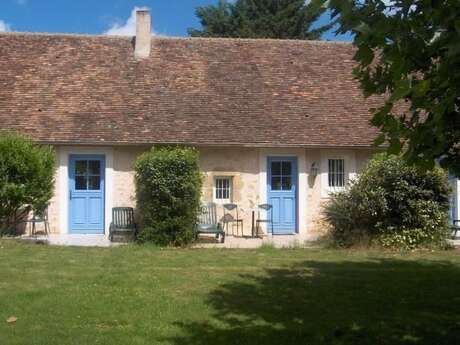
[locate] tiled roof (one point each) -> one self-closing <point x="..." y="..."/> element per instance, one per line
<point x="90" y="89"/>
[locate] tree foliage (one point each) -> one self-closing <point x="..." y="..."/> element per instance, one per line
<point x="26" y="179"/>
<point x="409" y="51"/>
<point x="168" y="190"/>
<point x="283" y="19"/>
<point x="393" y="203"/>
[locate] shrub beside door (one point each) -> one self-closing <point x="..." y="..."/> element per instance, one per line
<point x="392" y="204"/>
<point x="168" y="191"/>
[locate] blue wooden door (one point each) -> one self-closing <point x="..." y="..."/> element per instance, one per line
<point x="282" y="193"/>
<point x="86" y="193"/>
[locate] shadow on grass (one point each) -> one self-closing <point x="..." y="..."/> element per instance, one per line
<point x="373" y="302"/>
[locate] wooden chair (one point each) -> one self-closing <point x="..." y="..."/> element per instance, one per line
<point x="208" y="224"/>
<point x="123" y="223"/>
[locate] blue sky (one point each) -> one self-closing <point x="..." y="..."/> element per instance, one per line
<point x="170" y="17"/>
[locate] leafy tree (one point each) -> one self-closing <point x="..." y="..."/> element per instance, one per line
<point x="409" y="51"/>
<point x="285" y="19"/>
<point x="26" y="179"/>
<point x="168" y="191"/>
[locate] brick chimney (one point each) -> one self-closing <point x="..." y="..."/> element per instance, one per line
<point x="143" y="34"/>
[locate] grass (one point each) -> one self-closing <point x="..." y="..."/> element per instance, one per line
<point x="145" y="295"/>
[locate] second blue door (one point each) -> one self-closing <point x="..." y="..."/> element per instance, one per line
<point x="282" y="193"/>
<point x="86" y="193"/>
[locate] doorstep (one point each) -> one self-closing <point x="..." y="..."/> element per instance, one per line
<point x="277" y="241"/>
<point x="455" y="242"/>
<point x="71" y="240"/>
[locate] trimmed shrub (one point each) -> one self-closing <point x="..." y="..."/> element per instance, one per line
<point x="168" y="189"/>
<point x="26" y="179"/>
<point x="392" y="204"/>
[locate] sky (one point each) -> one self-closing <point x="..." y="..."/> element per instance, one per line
<point x="170" y="17"/>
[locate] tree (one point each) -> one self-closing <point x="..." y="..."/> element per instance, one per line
<point x="26" y="179"/>
<point x="409" y="52"/>
<point x="284" y="19"/>
<point x="168" y="191"/>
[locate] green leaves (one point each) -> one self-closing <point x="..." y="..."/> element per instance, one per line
<point x="168" y="191"/>
<point x="393" y="203"/>
<point x="421" y="88"/>
<point x="287" y="19"/>
<point x="362" y="28"/>
<point x="401" y="90"/>
<point x="418" y="45"/>
<point x="457" y="25"/>
<point x="26" y="177"/>
<point x="365" y="55"/>
<point x="381" y="138"/>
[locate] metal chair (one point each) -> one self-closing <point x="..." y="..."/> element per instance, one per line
<point x="207" y="222"/>
<point x="232" y="218"/>
<point x="455" y="227"/>
<point x="267" y="208"/>
<point x="39" y="217"/>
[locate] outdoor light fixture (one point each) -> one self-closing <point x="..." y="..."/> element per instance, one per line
<point x="314" y="169"/>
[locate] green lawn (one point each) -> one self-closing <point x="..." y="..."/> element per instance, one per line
<point x="142" y="295"/>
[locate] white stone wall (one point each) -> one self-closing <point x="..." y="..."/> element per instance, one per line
<point x="246" y="166"/>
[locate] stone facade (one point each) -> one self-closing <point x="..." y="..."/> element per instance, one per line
<point x="245" y="166"/>
<point x="123" y="179"/>
<point x="242" y="165"/>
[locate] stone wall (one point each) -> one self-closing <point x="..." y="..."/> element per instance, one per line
<point x="247" y="169"/>
<point x="242" y="165"/>
<point x="123" y="175"/>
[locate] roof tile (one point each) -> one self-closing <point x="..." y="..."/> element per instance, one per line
<point x="90" y="89"/>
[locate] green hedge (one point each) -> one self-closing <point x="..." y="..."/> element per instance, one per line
<point x="26" y="179"/>
<point x="168" y="189"/>
<point x="392" y="204"/>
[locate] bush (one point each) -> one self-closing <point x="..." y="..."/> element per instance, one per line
<point x="392" y="204"/>
<point x="26" y="179"/>
<point x="168" y="187"/>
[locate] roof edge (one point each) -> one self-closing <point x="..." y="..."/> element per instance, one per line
<point x="215" y="39"/>
<point x="210" y="144"/>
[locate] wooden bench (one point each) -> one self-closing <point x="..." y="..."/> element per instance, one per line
<point x="208" y="224"/>
<point x="123" y="227"/>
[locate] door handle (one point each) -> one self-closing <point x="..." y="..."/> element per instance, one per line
<point x="70" y="194"/>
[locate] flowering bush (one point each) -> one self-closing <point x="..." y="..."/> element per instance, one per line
<point x="393" y="204"/>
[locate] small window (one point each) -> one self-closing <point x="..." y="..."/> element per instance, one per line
<point x="281" y="175"/>
<point x="336" y="173"/>
<point x="223" y="189"/>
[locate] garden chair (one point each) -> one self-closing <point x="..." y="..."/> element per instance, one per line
<point x="269" y="220"/>
<point x="455" y="228"/>
<point x="230" y="218"/>
<point x="39" y="217"/>
<point x="123" y="223"/>
<point x="208" y="224"/>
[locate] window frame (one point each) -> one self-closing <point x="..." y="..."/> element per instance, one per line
<point x="337" y="176"/>
<point x="87" y="175"/>
<point x="350" y="166"/>
<point x="215" y="189"/>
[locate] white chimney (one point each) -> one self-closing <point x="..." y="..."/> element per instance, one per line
<point x="143" y="34"/>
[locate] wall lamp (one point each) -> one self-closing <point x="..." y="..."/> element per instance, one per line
<point x="314" y="169"/>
